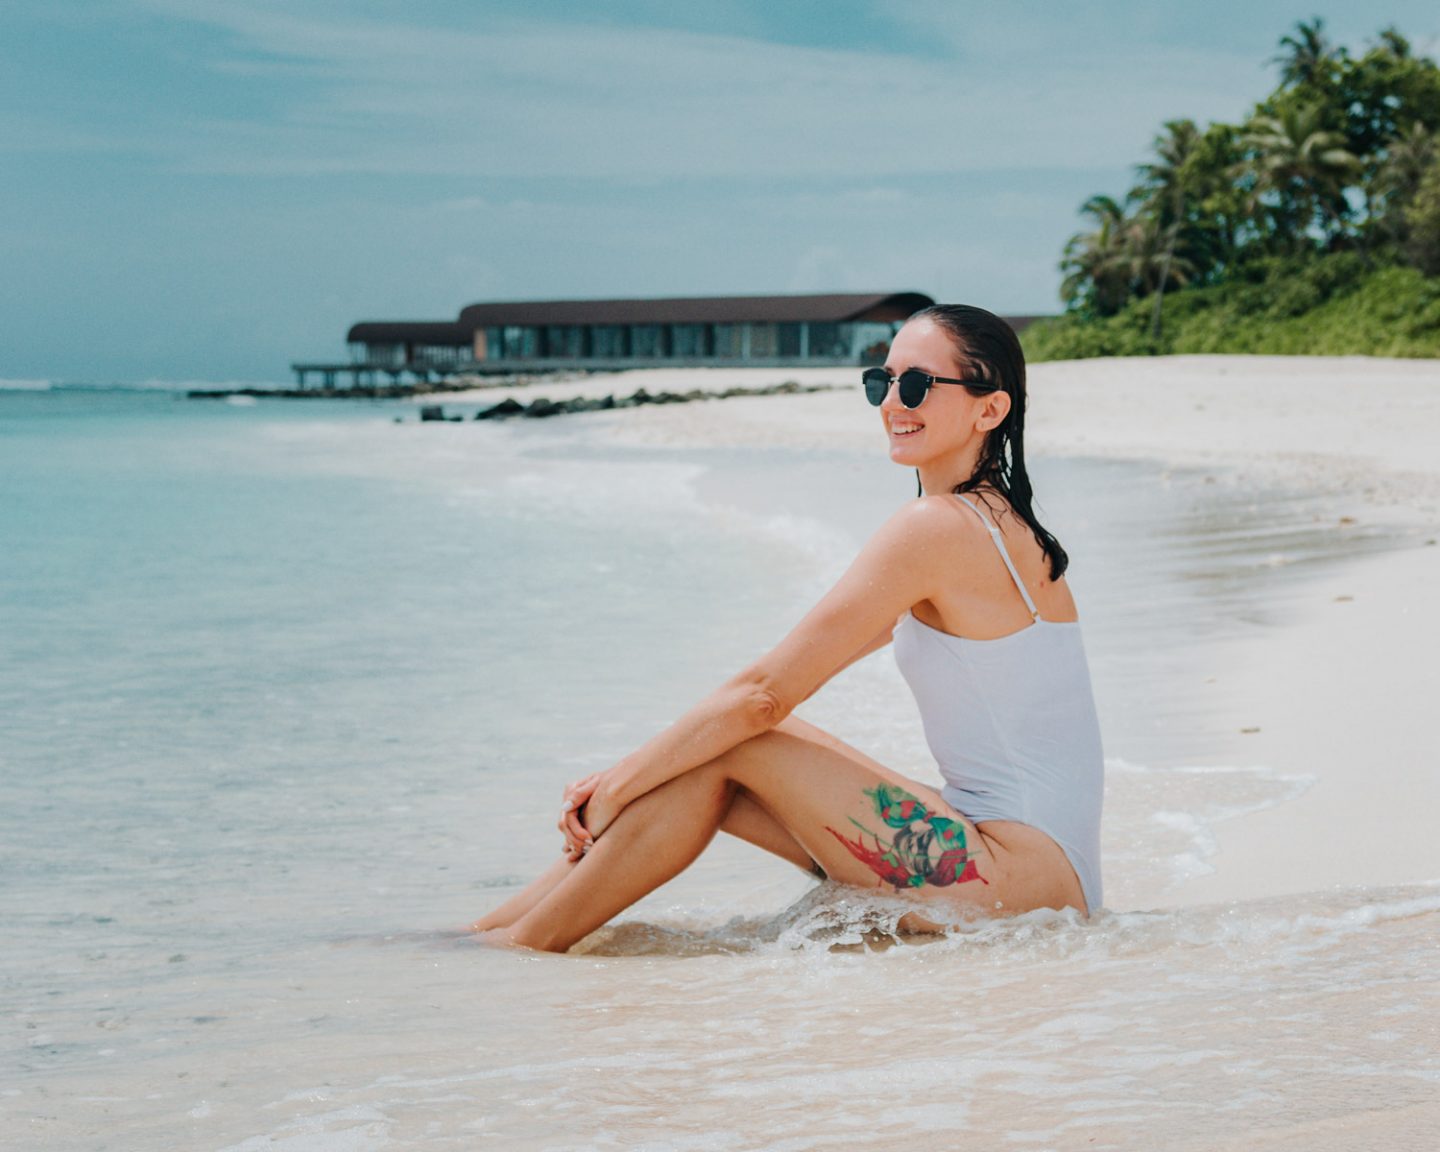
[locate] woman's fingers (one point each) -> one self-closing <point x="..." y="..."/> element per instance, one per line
<point x="575" y="829"/>
<point x="575" y="797"/>
<point x="577" y="837"/>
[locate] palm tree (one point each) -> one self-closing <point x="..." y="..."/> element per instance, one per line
<point x="1392" y="42"/>
<point x="1150" y="255"/>
<point x="1303" y="164"/>
<point x="1165" y="187"/>
<point x="1304" y="55"/>
<point x="1097" y="263"/>
<point x="1406" y="158"/>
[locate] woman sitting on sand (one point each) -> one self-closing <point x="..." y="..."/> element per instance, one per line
<point x="971" y="589"/>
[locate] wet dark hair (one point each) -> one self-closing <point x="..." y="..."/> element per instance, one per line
<point x="987" y="347"/>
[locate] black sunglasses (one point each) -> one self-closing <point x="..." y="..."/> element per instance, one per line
<point x="913" y="385"/>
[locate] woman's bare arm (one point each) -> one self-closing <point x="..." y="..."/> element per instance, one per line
<point x="882" y="638"/>
<point x="898" y="567"/>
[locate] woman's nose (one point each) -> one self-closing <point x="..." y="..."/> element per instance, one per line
<point x="891" y="403"/>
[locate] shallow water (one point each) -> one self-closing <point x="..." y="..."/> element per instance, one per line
<point x="290" y="692"/>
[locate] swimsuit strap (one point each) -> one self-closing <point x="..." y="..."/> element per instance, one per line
<point x="1005" y="555"/>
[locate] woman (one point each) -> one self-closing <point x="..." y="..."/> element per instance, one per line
<point x="971" y="588"/>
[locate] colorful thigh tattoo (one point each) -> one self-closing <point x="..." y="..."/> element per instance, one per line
<point x="924" y="847"/>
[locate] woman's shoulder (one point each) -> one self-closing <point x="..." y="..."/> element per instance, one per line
<point x="931" y="519"/>
<point x="952" y="517"/>
<point x="936" y="529"/>
<point x="949" y="511"/>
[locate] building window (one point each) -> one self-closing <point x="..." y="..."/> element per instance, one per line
<point x="521" y="343"/>
<point x="385" y="354"/>
<point x="688" y="341"/>
<point x="788" y="343"/>
<point x="647" y="340"/>
<point x="831" y="341"/>
<point x="763" y="341"/>
<point x="564" y="342"/>
<point x="436" y="355"/>
<point x="727" y="341"/>
<point x="608" y="342"/>
<point x="872" y="342"/>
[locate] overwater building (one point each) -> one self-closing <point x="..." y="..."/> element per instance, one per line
<point x="555" y="335"/>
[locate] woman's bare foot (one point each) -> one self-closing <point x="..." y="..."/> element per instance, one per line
<point x="493" y="938"/>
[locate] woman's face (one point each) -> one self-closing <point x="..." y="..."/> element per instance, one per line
<point x="950" y="421"/>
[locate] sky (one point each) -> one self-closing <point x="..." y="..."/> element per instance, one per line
<point x="198" y="190"/>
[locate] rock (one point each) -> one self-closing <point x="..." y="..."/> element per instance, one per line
<point x="507" y="407"/>
<point x="543" y="407"/>
<point x="432" y="412"/>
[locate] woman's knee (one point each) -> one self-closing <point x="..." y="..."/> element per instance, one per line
<point x="740" y="764"/>
<point x="706" y="782"/>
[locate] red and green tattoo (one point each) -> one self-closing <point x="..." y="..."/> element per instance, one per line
<point x="924" y="847"/>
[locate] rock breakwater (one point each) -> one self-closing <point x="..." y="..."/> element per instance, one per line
<point x="541" y="407"/>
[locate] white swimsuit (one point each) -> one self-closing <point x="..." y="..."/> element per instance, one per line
<point x="1012" y="724"/>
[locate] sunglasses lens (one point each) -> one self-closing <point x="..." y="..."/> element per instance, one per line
<point x="913" y="386"/>
<point x="877" y="383"/>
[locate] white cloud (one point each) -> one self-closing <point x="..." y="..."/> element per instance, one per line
<point x="536" y="100"/>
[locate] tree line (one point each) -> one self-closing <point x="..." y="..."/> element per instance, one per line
<point x="1341" y="157"/>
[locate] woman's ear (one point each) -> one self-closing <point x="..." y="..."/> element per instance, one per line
<point x="994" y="411"/>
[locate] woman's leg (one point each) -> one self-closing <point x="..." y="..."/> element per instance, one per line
<point x="746" y="819"/>
<point x="515" y="907"/>
<point x="654" y="838"/>
<point x="862" y="823"/>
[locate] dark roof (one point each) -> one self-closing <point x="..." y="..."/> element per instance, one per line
<point x="699" y="310"/>
<point x="694" y="310"/>
<point x="442" y="333"/>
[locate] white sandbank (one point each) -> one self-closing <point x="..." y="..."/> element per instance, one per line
<point x="1338" y="688"/>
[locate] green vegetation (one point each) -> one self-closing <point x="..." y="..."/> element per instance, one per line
<point x="1314" y="227"/>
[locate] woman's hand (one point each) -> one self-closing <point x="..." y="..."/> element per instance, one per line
<point x="577" y="837"/>
<point x="602" y="807"/>
<point x="588" y="808"/>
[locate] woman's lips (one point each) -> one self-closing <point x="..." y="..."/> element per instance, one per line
<point x="901" y="431"/>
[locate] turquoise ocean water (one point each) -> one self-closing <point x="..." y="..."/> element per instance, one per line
<point x="289" y="691"/>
